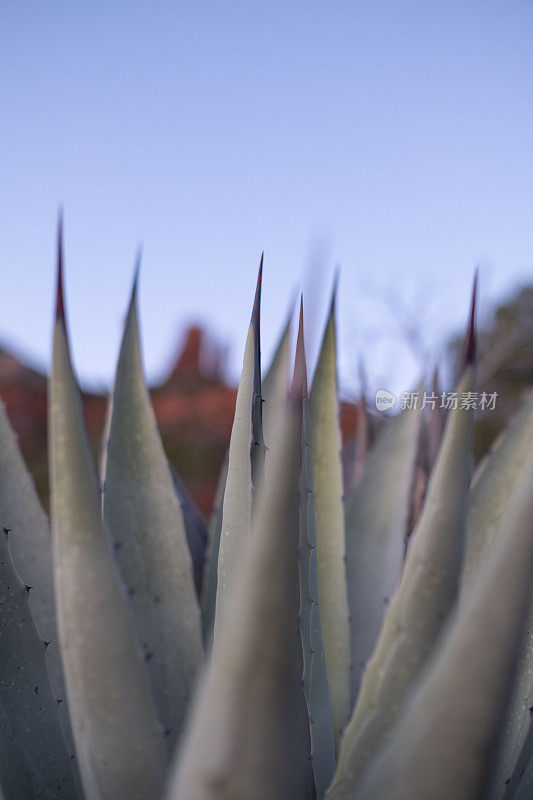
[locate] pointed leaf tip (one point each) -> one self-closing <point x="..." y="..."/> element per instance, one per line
<point x="299" y="382"/>
<point x="257" y="300"/>
<point x="136" y="271"/>
<point x="334" y="290"/>
<point x="60" y="301"/>
<point x="469" y="357"/>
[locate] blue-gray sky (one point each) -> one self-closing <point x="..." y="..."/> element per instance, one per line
<point x="392" y="138"/>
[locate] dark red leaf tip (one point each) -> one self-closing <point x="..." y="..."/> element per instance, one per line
<point x="256" y="310"/>
<point x="469" y="358"/>
<point x="60" y="298"/>
<point x="136" y="271"/>
<point x="334" y="290"/>
<point x="255" y="324"/>
<point x="299" y="381"/>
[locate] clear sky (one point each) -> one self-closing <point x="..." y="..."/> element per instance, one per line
<point x="392" y="138"/>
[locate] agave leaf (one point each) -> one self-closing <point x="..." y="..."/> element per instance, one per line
<point x="427" y="590"/>
<point x="245" y="739"/>
<point x="515" y="752"/>
<point x="31" y="549"/>
<point x="376" y="516"/>
<point x="435" y="424"/>
<point x="144" y="517"/>
<point x="326" y="445"/>
<point x="274" y="386"/>
<point x="444" y="744"/>
<point x="273" y="392"/>
<point x="105" y="675"/>
<point x="30" y="540"/>
<point x="493" y="485"/>
<point x="209" y="588"/>
<point x="26" y="694"/>
<point x="520" y="786"/>
<point x="362" y="432"/>
<point x="418" y="610"/>
<point x="102" y="461"/>
<point x="195" y="528"/>
<point x="17" y="778"/>
<point x="316" y="688"/>
<point x="433" y="420"/>
<point x="245" y="461"/>
<point x="520" y="783"/>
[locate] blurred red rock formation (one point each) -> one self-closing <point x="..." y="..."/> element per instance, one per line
<point x="194" y="409"/>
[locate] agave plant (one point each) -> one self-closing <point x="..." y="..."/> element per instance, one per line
<point x="318" y="647"/>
